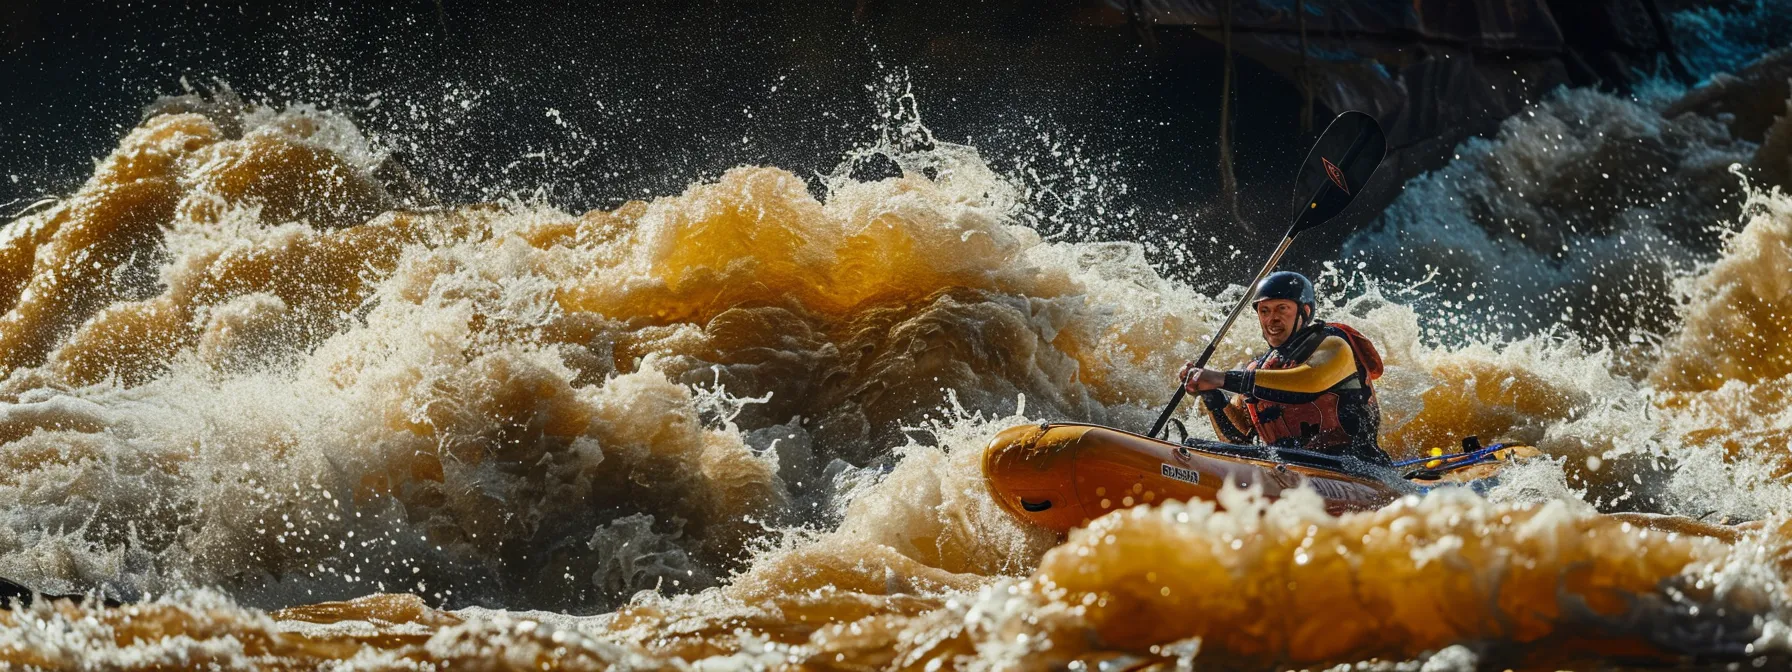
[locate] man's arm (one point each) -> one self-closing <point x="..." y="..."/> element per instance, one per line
<point x="1329" y="365"/>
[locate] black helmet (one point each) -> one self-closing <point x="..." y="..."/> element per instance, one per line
<point x="1286" y="285"/>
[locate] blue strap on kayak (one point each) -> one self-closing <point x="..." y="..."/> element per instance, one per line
<point x="1478" y="454"/>
<point x="1464" y="460"/>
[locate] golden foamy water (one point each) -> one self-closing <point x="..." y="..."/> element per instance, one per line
<point x="297" y="426"/>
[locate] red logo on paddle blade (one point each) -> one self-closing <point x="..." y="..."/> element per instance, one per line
<point x="1337" y="176"/>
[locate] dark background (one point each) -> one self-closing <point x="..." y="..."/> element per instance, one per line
<point x="657" y="95"/>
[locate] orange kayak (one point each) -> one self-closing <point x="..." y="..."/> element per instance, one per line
<point x="1062" y="475"/>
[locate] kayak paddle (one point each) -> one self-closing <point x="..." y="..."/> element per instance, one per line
<point x="1335" y="171"/>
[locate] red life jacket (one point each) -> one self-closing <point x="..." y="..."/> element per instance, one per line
<point x="1347" y="413"/>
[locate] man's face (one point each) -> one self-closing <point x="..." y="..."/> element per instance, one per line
<point x="1278" y="317"/>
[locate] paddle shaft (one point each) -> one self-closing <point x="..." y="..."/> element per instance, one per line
<point x="1214" y="342"/>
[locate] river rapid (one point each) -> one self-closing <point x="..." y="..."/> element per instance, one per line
<point x="298" y="418"/>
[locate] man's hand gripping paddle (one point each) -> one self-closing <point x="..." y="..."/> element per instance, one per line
<point x="1340" y="164"/>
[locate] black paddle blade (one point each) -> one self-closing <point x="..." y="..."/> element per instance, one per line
<point x="1340" y="164"/>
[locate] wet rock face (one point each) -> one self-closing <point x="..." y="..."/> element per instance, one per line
<point x="1747" y="101"/>
<point x="1436" y="71"/>
<point x="1753" y="104"/>
<point x="1590" y="198"/>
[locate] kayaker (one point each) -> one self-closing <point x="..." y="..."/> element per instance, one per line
<point x="1312" y="390"/>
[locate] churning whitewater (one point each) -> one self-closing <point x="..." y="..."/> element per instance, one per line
<point x="256" y="387"/>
